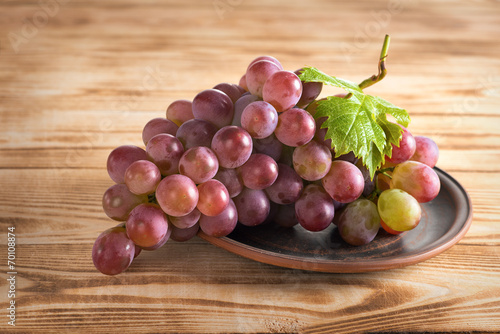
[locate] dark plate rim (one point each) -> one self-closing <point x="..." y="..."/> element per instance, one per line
<point x="440" y="245"/>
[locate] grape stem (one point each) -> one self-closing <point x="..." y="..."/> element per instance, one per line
<point x="384" y="170"/>
<point x="382" y="70"/>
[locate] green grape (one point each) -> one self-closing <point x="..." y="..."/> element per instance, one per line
<point x="399" y="210"/>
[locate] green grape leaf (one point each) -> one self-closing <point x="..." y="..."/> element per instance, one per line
<point x="358" y="123"/>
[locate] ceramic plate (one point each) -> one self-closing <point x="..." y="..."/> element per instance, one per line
<point x="445" y="220"/>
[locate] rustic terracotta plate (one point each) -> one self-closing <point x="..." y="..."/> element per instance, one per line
<point x="445" y="220"/>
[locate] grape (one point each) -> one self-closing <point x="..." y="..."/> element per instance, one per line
<point x="230" y="90"/>
<point x="287" y="155"/>
<point x="257" y="75"/>
<point x="196" y="132"/>
<point x="388" y="229"/>
<point x="253" y="207"/>
<point x="243" y="82"/>
<point x="162" y="241"/>
<point x="177" y="195"/>
<point x="312" y="161"/>
<point x="320" y="134"/>
<point x="165" y="151"/>
<point x="180" y="111"/>
<point x="213" y="106"/>
<point x="296" y="127"/>
<point x="230" y="178"/>
<point x="113" y="251"/>
<point x="157" y="126"/>
<point x="199" y="164"/>
<point x="120" y="158"/>
<point x="147" y="225"/>
<point x="213" y="198"/>
<point x="283" y="90"/>
<point x="142" y="177"/>
<point x="369" y="183"/>
<point x="259" y="119"/>
<point x="232" y="145"/>
<point x="259" y="172"/>
<point x="221" y="224"/>
<point x="184" y="234"/>
<point x="270" y="146"/>
<point x="268" y="58"/>
<point x="240" y="105"/>
<point x="349" y="157"/>
<point x="288" y="186"/>
<point x="286" y="216"/>
<point x="186" y="221"/>
<point x="138" y="251"/>
<point x="314" y="209"/>
<point x="405" y="150"/>
<point x="118" y="201"/>
<point x="399" y="210"/>
<point x="426" y="151"/>
<point x="417" y="179"/>
<point x="310" y="91"/>
<point x="344" y="182"/>
<point x="359" y="222"/>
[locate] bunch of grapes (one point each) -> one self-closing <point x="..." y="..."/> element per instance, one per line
<point x="253" y="153"/>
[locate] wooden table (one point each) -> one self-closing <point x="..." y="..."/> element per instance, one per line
<point x="79" y="78"/>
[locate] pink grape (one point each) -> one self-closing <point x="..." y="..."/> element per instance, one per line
<point x="268" y="58"/>
<point x="310" y="91"/>
<point x="214" y="106"/>
<point x="180" y="111"/>
<point x="426" y="151"/>
<point x="199" y="163"/>
<point x="257" y="75"/>
<point x="231" y="90"/>
<point x="314" y="209"/>
<point x="161" y="242"/>
<point x="120" y="158"/>
<point x="118" y="201"/>
<point x="405" y="150"/>
<point x="230" y="178"/>
<point x="240" y="105"/>
<point x="344" y="181"/>
<point x="186" y="221"/>
<point x="165" y="151"/>
<point x="253" y="207"/>
<point x="157" y="126"/>
<point x="232" y="145"/>
<point x="312" y="161"/>
<point x="243" y="82"/>
<point x="113" y="251"/>
<point x="296" y="127"/>
<point x="221" y="224"/>
<point x="283" y="90"/>
<point x="359" y="222"/>
<point x="177" y="195"/>
<point x="270" y="146"/>
<point x="184" y="234"/>
<point x="142" y="177"/>
<point x="259" y="119"/>
<point x="213" y="198"/>
<point x="147" y="225"/>
<point x="259" y="172"/>
<point x="288" y="186"/>
<point x="417" y="179"/>
<point x="196" y="132"/>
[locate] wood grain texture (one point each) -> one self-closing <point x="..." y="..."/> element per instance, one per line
<point x="92" y="73"/>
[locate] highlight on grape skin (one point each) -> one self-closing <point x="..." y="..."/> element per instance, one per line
<point x="250" y="154"/>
